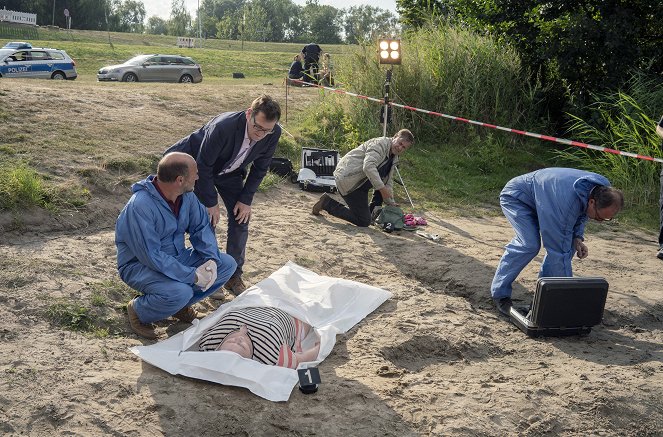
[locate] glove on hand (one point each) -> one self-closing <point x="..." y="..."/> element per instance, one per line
<point x="206" y="275"/>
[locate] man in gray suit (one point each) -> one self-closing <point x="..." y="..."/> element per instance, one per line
<point x="223" y="149"/>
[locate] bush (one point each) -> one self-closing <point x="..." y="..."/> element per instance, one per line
<point x="626" y="121"/>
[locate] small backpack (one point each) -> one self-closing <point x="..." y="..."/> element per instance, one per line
<point x="281" y="166"/>
<point x="391" y="214"/>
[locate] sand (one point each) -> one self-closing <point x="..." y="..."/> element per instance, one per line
<point x="436" y="359"/>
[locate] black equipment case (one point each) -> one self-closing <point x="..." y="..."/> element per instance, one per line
<point x="322" y="163"/>
<point x="562" y="306"/>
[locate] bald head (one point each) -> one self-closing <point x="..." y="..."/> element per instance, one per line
<point x="173" y="165"/>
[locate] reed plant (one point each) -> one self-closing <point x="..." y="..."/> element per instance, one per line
<point x="450" y="70"/>
<point x="624" y="120"/>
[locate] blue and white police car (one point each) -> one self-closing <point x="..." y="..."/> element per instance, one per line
<point x="35" y="62"/>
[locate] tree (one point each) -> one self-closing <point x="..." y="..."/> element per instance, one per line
<point x="322" y="23"/>
<point x="575" y="47"/>
<point x="363" y="23"/>
<point x="157" y="26"/>
<point x="179" y="23"/>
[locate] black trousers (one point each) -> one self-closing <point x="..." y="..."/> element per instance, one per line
<point x="229" y="187"/>
<point x="358" y="211"/>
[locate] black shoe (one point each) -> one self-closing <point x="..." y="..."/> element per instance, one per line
<point x="659" y="255"/>
<point x="503" y="305"/>
<point x="321" y="204"/>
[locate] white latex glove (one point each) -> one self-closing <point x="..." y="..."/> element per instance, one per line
<point x="206" y="275"/>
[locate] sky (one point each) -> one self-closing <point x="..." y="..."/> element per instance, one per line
<point x="161" y="8"/>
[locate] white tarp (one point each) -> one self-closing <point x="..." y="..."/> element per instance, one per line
<point x="331" y="305"/>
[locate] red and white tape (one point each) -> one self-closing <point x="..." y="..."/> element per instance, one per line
<point x="491" y="126"/>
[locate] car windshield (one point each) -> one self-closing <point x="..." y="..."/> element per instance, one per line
<point x="138" y="60"/>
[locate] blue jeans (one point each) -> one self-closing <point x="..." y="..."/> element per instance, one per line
<point x="162" y="296"/>
<point x="524" y="247"/>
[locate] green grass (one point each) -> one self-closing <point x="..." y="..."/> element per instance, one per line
<point x="219" y="58"/>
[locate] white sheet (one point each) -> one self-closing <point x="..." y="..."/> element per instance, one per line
<point x="331" y="305"/>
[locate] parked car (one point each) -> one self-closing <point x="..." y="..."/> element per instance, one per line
<point x="41" y="63"/>
<point x="17" y="45"/>
<point x="153" y="68"/>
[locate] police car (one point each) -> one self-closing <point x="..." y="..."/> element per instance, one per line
<point x="35" y="62"/>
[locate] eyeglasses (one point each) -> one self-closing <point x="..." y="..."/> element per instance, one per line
<point x="597" y="217"/>
<point x="259" y="128"/>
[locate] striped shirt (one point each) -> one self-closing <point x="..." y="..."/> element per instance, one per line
<point x="275" y="334"/>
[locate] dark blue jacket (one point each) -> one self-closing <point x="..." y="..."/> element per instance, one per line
<point x="296" y="70"/>
<point x="216" y="144"/>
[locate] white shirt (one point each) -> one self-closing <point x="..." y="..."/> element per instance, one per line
<point x="244" y="150"/>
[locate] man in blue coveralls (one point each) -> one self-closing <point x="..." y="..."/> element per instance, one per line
<point x="151" y="253"/>
<point x="550" y="205"/>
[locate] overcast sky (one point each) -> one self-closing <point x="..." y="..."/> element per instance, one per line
<point x="161" y="8"/>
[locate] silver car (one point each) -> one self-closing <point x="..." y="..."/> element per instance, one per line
<point x="154" y="68"/>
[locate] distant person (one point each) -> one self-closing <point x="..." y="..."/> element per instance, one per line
<point x="233" y="152"/>
<point x="296" y="69"/>
<point x="551" y="206"/>
<point x="265" y="334"/>
<point x="659" y="255"/>
<point x="311" y="53"/>
<point x="326" y="75"/>
<point x="152" y="256"/>
<point x="369" y="166"/>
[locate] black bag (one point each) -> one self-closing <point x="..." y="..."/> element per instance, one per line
<point x="281" y="167"/>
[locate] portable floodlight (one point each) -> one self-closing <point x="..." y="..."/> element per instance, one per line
<point x="389" y="51"/>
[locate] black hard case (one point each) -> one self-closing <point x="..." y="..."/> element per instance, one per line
<point x="323" y="163"/>
<point x="563" y="306"/>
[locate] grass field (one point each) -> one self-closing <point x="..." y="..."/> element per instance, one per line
<point x="463" y="171"/>
<point x="218" y="58"/>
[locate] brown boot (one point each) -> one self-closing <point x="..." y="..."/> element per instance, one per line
<point x="235" y="285"/>
<point x="321" y="204"/>
<point x="187" y="315"/>
<point x="140" y="328"/>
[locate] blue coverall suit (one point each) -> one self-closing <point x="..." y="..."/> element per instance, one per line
<point x="152" y="257"/>
<point x="548" y="205"/>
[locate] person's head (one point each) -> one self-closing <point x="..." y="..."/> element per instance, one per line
<point x="604" y="203"/>
<point x="298" y="57"/>
<point x="239" y="342"/>
<point x="401" y="141"/>
<point x="178" y="170"/>
<point x="262" y="116"/>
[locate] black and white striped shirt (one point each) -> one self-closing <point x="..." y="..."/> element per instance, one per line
<point x="273" y="332"/>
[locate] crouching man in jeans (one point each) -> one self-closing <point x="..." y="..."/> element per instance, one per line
<point x="369" y="166"/>
<point x="151" y="254"/>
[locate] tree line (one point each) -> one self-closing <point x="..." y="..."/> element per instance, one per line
<point x="251" y="20"/>
<point x="572" y="48"/>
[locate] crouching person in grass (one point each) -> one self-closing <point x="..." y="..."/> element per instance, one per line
<point x="152" y="257"/>
<point x="369" y="166"/>
<point x="551" y="206"/>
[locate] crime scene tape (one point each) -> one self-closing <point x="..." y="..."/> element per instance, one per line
<point x="488" y="125"/>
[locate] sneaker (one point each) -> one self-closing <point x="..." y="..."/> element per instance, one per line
<point x="235" y="285"/>
<point x="140" y="328"/>
<point x="321" y="204"/>
<point x="503" y="305"/>
<point x="187" y="315"/>
<point x="659" y="255"/>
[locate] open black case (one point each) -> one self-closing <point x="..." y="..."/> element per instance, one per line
<point x="562" y="306"/>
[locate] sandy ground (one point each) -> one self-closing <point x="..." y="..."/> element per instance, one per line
<point x="434" y="360"/>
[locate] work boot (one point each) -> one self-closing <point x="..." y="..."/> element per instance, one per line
<point x="140" y="328"/>
<point x="321" y="204"/>
<point x="503" y="305"/>
<point x="235" y="285"/>
<point x="187" y="315"/>
<point x="659" y="255"/>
